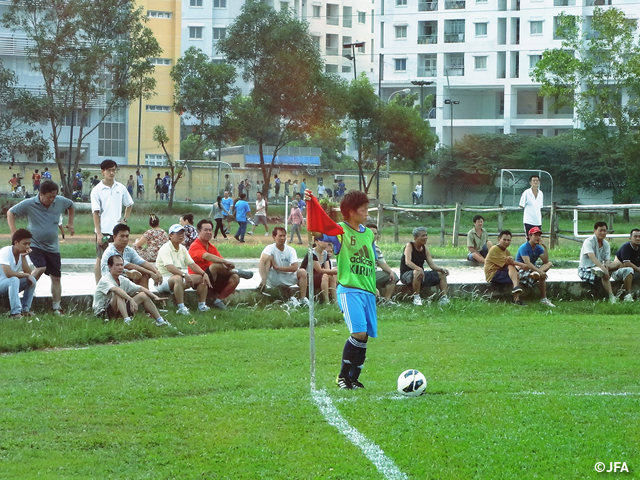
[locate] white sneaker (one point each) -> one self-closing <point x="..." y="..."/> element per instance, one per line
<point x="444" y="300"/>
<point x="628" y="298"/>
<point x="613" y="299"/>
<point x="294" y="302"/>
<point x="305" y="301"/>
<point x="598" y="272"/>
<point x="417" y="300"/>
<point x="161" y="322"/>
<point x="249" y="233"/>
<point x="266" y="234"/>
<point x="127" y="321"/>
<point x="547" y="302"/>
<point x="219" y="304"/>
<point x="183" y="311"/>
<point x="203" y="308"/>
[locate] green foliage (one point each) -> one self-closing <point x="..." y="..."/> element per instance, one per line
<point x="201" y="92"/>
<point x="291" y="97"/>
<point x="87" y="52"/>
<point x="381" y="129"/>
<point x="597" y="72"/>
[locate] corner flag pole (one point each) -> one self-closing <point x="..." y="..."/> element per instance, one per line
<point x="312" y="322"/>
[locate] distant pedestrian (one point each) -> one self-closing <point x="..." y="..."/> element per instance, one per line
<point x="36" y="181"/>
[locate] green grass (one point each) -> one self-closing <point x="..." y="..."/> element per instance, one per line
<point x="513" y="393"/>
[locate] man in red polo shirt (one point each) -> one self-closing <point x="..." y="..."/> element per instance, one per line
<point x="223" y="274"/>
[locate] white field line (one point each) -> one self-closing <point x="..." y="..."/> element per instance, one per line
<point x="373" y="452"/>
<point x="395" y="396"/>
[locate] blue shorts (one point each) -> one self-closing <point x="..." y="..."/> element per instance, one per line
<point x="502" y="276"/>
<point x="359" y="311"/>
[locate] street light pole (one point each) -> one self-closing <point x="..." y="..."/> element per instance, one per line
<point x="353" y="46"/>
<point x="451" y="103"/>
<point x="421" y="83"/>
<point x="406" y="91"/>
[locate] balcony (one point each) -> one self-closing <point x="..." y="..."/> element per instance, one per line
<point x="591" y="3"/>
<point x="455" y="70"/>
<point x="427" y="39"/>
<point x="454" y="38"/>
<point x="14" y="44"/>
<point x="454" y="4"/>
<point x="564" y="3"/>
<point x="427" y="6"/>
<point x="427" y="72"/>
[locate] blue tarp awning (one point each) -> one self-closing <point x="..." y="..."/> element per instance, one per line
<point x="282" y="160"/>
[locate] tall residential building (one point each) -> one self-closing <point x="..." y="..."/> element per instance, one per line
<point x="164" y="19"/>
<point x="475" y="57"/>
<point x="332" y="24"/>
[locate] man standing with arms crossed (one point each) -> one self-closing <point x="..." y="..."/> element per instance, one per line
<point x="107" y="199"/>
<point x="531" y="201"/>
<point x="43" y="212"/>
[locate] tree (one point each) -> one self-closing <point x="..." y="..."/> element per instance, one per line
<point x="201" y="89"/>
<point x="597" y="72"/>
<point x="16" y="134"/>
<point x="381" y="129"/>
<point x="88" y="53"/>
<point x="176" y="169"/>
<point x="291" y="96"/>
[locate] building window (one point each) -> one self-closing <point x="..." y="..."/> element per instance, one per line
<point x="195" y="33"/>
<point x="284" y="6"/>
<point x="400" y="3"/>
<point x="347" y="17"/>
<point x="400" y="64"/>
<point x="533" y="59"/>
<point x="360" y="49"/>
<point x="154" y="159"/>
<point x="159" y="108"/>
<point x="317" y="10"/>
<point x="160" y="61"/>
<point x="401" y="31"/>
<point x="333" y="14"/>
<point x="195" y="3"/>
<point x="481" y="63"/>
<point x="481" y="29"/>
<point x="331" y="68"/>
<point x="346" y="69"/>
<point x="362" y="17"/>
<point x="219" y="33"/>
<point x="157" y="14"/>
<point x="112" y="133"/>
<point x="536" y="27"/>
<point x="219" y="3"/>
<point x="76" y="119"/>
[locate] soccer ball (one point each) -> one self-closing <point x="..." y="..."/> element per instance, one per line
<point x="412" y="383"/>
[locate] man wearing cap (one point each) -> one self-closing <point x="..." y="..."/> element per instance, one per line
<point x="172" y="263"/>
<point x="107" y="199"/>
<point x="528" y="253"/>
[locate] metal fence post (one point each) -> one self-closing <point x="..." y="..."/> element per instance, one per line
<point x="456" y="224"/>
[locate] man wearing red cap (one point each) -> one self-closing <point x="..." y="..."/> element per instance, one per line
<point x="528" y="253"/>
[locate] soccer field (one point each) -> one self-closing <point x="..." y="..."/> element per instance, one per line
<point x="512" y="393"/>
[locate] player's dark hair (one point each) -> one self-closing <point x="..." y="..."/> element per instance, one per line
<point x="243" y="196"/>
<point x="219" y="200"/>
<point x="634" y="230"/>
<point x="121" y="227"/>
<point x="478" y="217"/>
<point x="48" y="186"/>
<point x="20" y="235"/>
<point x="352" y="201"/>
<point x="204" y="221"/>
<point x="275" y="231"/>
<point x="597" y="225"/>
<point x="107" y="164"/>
<point x="111" y="258"/>
<point x="504" y="232"/>
<point x="188" y="217"/>
<point x="36" y="170"/>
<point x="534" y="176"/>
<point x="154" y="221"/>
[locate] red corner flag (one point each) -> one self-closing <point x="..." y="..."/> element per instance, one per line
<point x="319" y="221"/>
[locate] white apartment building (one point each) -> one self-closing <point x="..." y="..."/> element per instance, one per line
<point x="478" y="54"/>
<point x="332" y="24"/>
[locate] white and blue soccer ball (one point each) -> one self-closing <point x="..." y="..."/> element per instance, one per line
<point x="412" y="383"/>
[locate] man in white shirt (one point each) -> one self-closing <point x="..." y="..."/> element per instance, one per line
<point x="260" y="216"/>
<point x="15" y="274"/>
<point x="531" y="201"/>
<point x="172" y="262"/>
<point x="595" y="256"/>
<point x="107" y="200"/>
<point x="116" y="296"/>
<point x="136" y="268"/>
<point x="417" y="194"/>
<point x="278" y="265"/>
